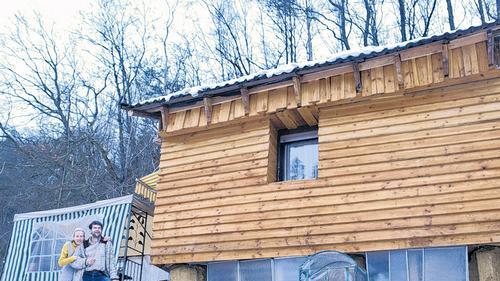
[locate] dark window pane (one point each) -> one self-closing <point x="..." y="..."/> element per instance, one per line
<point x="222" y="271"/>
<point x="287" y="269"/>
<point x="397" y="261"/>
<point x="445" y="264"/>
<point x="378" y="265"/>
<point x="415" y="270"/>
<point x="259" y="270"/>
<point x="45" y="263"/>
<point x="47" y="247"/>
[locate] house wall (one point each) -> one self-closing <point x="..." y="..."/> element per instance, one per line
<point x="415" y="171"/>
<point x="411" y="160"/>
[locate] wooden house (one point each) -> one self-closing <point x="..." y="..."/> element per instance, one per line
<point x="390" y="152"/>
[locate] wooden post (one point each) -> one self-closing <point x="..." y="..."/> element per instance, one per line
<point x="399" y="71"/>
<point x="164" y="118"/>
<point x="491" y="48"/>
<point x="357" y="77"/>
<point x="446" y="64"/>
<point x="245" y="100"/>
<point x="296" y="89"/>
<point x="207" y="102"/>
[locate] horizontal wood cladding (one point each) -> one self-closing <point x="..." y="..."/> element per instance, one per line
<point x="409" y="69"/>
<point x="412" y="171"/>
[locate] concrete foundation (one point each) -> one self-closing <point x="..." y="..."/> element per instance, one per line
<point x="485" y="264"/>
<point x="188" y="273"/>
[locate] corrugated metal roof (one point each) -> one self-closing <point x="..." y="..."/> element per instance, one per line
<point x="295" y="68"/>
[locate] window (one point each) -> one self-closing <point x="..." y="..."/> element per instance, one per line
<point x="47" y="240"/>
<point x="298" y="154"/>
<point x="430" y="264"/>
<point x="279" y="269"/>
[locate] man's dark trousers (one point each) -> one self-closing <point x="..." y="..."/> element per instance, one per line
<point x="95" y="276"/>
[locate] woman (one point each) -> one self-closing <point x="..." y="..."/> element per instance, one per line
<point x="68" y="273"/>
<point x="72" y="266"/>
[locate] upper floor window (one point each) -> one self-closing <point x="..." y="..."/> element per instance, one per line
<point x="298" y="154"/>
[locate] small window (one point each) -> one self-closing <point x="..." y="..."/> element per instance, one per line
<point x="496" y="49"/>
<point x="298" y="154"/>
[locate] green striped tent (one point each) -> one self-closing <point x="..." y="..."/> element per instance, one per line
<point x="43" y="232"/>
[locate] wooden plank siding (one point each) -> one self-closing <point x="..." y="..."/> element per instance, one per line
<point x="410" y="159"/>
<point x="417" y="170"/>
<point x="421" y="66"/>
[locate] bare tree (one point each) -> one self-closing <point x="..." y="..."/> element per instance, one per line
<point x="284" y="15"/>
<point x="451" y="18"/>
<point x="402" y="19"/>
<point x="334" y="16"/>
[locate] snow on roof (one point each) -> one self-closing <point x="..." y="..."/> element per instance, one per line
<point x="103" y="203"/>
<point x="365" y="52"/>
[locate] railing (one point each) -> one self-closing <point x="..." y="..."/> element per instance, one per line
<point x="133" y="270"/>
<point x="146" y="191"/>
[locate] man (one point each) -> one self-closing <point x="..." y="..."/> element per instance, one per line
<point x="100" y="262"/>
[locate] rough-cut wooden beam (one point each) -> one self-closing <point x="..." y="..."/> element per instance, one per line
<point x="245" y="100"/>
<point x="274" y="86"/>
<point x="357" y="77"/>
<point x="446" y="63"/>
<point x="337" y="70"/>
<point x="420" y="51"/>
<point x="164" y="117"/>
<point x="376" y="62"/>
<point x="468" y="40"/>
<point x="296" y="89"/>
<point x="132" y="112"/>
<point x="308" y="116"/>
<point x="207" y="103"/>
<point x="399" y="71"/>
<point x="491" y="48"/>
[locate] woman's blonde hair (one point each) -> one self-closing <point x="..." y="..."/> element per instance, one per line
<point x="78" y="229"/>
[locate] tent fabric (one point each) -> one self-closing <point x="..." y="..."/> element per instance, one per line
<point x="114" y="213"/>
<point x="114" y="201"/>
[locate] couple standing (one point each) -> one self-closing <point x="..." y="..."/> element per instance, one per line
<point x="88" y="260"/>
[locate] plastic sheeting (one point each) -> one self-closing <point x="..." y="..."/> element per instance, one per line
<point x="331" y="266"/>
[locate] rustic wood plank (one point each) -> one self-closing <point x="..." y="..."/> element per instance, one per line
<point x="207" y="104"/>
<point x="308" y="116"/>
<point x="482" y="56"/>
<point x="357" y="77"/>
<point x="225" y="110"/>
<point x="367" y="83"/>
<point x="337" y="86"/>
<point x="287" y="120"/>
<point x="262" y="102"/>
<point x="389" y="79"/>
<point x="164" y="117"/>
<point x="291" y="101"/>
<point x="297" y="90"/>
<point x="245" y="99"/>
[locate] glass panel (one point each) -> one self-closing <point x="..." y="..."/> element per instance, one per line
<point x="287" y="269"/>
<point x="47" y="247"/>
<point x="36" y="247"/>
<point x="259" y="270"/>
<point x="55" y="266"/>
<point x="59" y="245"/>
<point x="445" y="264"/>
<point x="45" y="263"/>
<point x="301" y="160"/>
<point x="378" y="266"/>
<point x="397" y="264"/>
<point x="415" y="271"/>
<point x="33" y="264"/>
<point x="222" y="271"/>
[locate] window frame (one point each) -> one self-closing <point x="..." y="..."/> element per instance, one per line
<point x="290" y="136"/>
